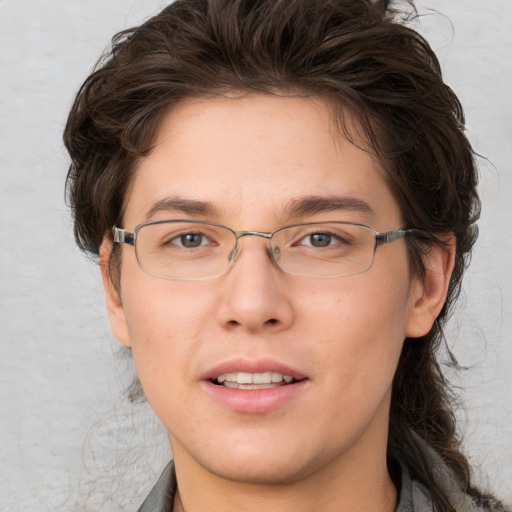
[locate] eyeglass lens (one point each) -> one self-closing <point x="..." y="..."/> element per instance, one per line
<point x="196" y="250"/>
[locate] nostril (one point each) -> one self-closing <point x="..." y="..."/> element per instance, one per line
<point x="271" y="321"/>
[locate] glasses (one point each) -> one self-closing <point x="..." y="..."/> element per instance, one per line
<point x="189" y="250"/>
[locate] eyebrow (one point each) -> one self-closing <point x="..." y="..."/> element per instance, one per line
<point x="182" y="205"/>
<point x="311" y="205"/>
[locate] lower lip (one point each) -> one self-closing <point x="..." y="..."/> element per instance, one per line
<point x="256" y="401"/>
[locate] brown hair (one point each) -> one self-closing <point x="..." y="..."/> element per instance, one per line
<point x="354" y="52"/>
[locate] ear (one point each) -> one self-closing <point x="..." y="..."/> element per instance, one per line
<point x="115" y="308"/>
<point x="428" y="295"/>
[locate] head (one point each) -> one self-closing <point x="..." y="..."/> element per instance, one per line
<point x="380" y="85"/>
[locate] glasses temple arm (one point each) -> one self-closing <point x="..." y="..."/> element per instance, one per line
<point x="391" y="236"/>
<point x="121" y="236"/>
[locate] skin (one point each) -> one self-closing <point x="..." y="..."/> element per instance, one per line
<point x="324" y="448"/>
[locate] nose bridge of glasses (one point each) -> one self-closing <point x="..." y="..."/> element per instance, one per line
<point x="262" y="234"/>
<point x="241" y="234"/>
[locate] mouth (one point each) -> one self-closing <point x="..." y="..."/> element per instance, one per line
<point x="255" y="386"/>
<point x="249" y="381"/>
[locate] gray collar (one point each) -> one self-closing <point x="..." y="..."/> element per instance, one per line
<point x="161" y="497"/>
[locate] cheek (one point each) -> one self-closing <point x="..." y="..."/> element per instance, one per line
<point x="360" y="329"/>
<point x="358" y="305"/>
<point x="166" y="322"/>
<point x="165" y="330"/>
<point x="161" y="312"/>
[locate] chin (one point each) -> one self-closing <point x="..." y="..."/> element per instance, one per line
<point x="265" y="463"/>
<point x="263" y="471"/>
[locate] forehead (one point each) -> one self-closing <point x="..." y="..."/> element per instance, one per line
<point x="255" y="157"/>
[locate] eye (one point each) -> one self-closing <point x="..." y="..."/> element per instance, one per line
<point x="189" y="240"/>
<point x="321" y="239"/>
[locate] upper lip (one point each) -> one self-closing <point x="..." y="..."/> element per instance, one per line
<point x="252" y="366"/>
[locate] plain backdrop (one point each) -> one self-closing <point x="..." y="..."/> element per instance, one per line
<point x="69" y="441"/>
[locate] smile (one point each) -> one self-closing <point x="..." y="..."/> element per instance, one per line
<point x="246" y="380"/>
<point x="254" y="386"/>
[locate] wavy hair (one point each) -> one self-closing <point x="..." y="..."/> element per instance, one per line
<point x="362" y="56"/>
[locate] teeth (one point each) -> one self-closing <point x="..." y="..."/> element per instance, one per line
<point x="253" y="378"/>
<point x="244" y="378"/>
<point x="234" y="385"/>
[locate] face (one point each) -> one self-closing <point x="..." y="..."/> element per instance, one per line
<point x="245" y="163"/>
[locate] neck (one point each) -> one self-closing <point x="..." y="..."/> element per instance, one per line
<point x="356" y="484"/>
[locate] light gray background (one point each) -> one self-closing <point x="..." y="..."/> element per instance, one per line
<point x="67" y="440"/>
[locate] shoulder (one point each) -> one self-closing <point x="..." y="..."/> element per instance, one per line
<point x="460" y="501"/>
<point x="416" y="497"/>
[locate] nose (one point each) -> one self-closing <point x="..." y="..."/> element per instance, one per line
<point x="253" y="295"/>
